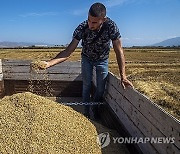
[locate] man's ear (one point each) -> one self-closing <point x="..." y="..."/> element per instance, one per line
<point x="104" y="19"/>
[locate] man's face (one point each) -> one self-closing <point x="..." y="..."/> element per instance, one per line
<point x="94" y="23"/>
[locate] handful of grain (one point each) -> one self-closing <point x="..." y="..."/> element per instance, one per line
<point x="38" y="65"/>
<point x="34" y="124"/>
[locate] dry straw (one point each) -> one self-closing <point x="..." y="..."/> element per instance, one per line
<point x="34" y="124"/>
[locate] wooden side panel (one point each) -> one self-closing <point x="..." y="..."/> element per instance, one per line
<point x="43" y="88"/>
<point x="55" y="69"/>
<point x="16" y="62"/>
<point x="144" y="127"/>
<point x="20" y="70"/>
<point x="37" y="76"/>
<point x="1" y="81"/>
<point x="154" y="113"/>
<point x="63" y="79"/>
<point x="143" y="118"/>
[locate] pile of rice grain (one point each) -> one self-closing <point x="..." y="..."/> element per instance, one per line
<point x="33" y="124"/>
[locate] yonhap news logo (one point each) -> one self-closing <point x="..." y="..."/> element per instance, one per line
<point x="103" y="139"/>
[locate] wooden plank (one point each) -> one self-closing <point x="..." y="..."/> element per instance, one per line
<point x="1" y="81"/>
<point x="166" y="123"/>
<point x="57" y="88"/>
<point x="1" y="77"/>
<point x="9" y="61"/>
<point x="16" y="62"/>
<point x="138" y="119"/>
<point x="2" y="89"/>
<point x="126" y="121"/>
<point x="53" y="69"/>
<point x="8" y="88"/>
<point x="52" y="77"/>
<point x="1" y="72"/>
<point x="0" y="66"/>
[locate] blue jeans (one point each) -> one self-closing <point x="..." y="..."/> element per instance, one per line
<point x="101" y="67"/>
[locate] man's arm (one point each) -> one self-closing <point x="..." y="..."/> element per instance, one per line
<point x="63" y="55"/>
<point x="121" y="62"/>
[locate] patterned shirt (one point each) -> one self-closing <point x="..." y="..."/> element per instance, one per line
<point x="96" y="43"/>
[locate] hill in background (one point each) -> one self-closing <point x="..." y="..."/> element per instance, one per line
<point x="169" y="42"/>
<point x="166" y="43"/>
<point x="7" y="44"/>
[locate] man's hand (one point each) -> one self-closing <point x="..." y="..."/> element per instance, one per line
<point x="44" y="65"/>
<point x="39" y="65"/>
<point x="126" y="83"/>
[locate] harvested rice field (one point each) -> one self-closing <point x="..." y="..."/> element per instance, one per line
<point x="154" y="72"/>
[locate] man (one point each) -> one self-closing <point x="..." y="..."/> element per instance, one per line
<point x="96" y="34"/>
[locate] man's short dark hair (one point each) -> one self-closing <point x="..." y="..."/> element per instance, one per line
<point x="97" y="10"/>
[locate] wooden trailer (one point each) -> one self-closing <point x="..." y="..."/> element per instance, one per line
<point x="131" y="113"/>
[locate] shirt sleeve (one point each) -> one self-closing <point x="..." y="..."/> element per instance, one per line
<point x="78" y="32"/>
<point x="114" y="31"/>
